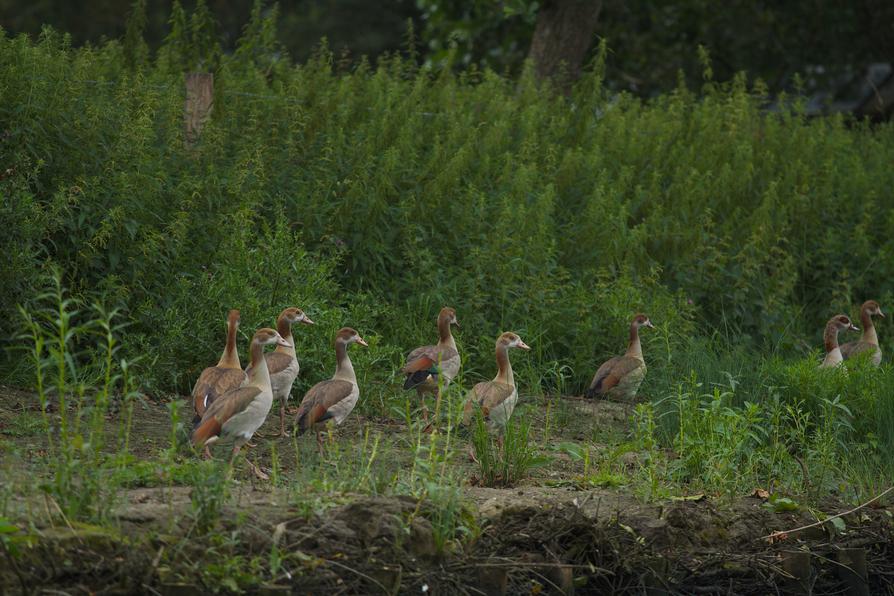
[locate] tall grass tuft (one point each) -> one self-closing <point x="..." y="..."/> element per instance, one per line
<point x="79" y="377"/>
<point x="505" y="459"/>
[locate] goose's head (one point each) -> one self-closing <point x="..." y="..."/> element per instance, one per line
<point x="873" y="309"/>
<point x="268" y="337"/>
<point x="842" y="323"/>
<point x="233" y="318"/>
<point x="448" y="315"/>
<point x="511" y="340"/>
<point x="642" y="320"/>
<point x="347" y="336"/>
<point x="295" y="315"/>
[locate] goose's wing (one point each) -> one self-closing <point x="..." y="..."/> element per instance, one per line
<point x="318" y="400"/>
<point x="218" y="413"/>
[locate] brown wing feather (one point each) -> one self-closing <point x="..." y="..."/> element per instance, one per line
<point x="492" y="393"/>
<point x="231" y="403"/>
<point x="434" y="354"/>
<point x="223" y="408"/>
<point x="599" y="378"/>
<point x="421" y="363"/>
<point x="214" y="382"/>
<point x="611" y="373"/>
<point x="318" y="400"/>
<point x="209" y="427"/>
<point x="487" y="395"/>
<point x="277" y="361"/>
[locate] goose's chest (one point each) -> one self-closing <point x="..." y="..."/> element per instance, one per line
<point x="345" y="406"/>
<point x="282" y="381"/>
<point x="628" y="385"/>
<point x="245" y="423"/>
<point x="500" y="414"/>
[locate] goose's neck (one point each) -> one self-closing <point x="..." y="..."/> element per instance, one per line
<point x="830" y="338"/>
<point x="230" y="357"/>
<point x="504" y="367"/>
<point x="634" y="348"/>
<point x="343" y="368"/>
<point x="259" y="375"/>
<point x="284" y="328"/>
<point x="869" y="334"/>
<point x="445" y="337"/>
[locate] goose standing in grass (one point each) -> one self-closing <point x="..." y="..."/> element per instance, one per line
<point x="497" y="398"/>
<point x="620" y="377"/>
<point x="333" y="399"/>
<point x="869" y="340"/>
<point x="430" y="369"/>
<point x="239" y="413"/>
<point x="282" y="363"/>
<point x="830" y="339"/>
<point x="225" y="376"/>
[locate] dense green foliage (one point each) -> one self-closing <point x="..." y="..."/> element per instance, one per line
<point x="371" y="196"/>
<point x="374" y="196"/>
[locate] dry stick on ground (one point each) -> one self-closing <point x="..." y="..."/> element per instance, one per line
<point x="360" y="573"/>
<point x="782" y="535"/>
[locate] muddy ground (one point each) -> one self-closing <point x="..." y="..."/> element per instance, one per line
<point x="556" y="532"/>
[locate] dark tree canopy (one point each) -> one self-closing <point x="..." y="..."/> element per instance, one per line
<point x="819" y="46"/>
<point x="364" y="27"/>
<point x="651" y="41"/>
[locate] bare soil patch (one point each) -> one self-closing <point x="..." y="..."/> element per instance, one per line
<point x="546" y="536"/>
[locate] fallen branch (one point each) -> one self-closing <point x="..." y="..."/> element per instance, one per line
<point x="782" y="535"/>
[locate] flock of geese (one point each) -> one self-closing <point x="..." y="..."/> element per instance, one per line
<point x="232" y="404"/>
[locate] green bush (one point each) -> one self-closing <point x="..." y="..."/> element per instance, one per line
<point x="371" y="195"/>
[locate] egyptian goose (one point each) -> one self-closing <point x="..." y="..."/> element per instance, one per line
<point x="333" y="399"/>
<point x="830" y="339"/>
<point x="431" y="368"/>
<point x="238" y="413"/>
<point x="217" y="380"/>
<point x="497" y="398"/>
<point x="869" y="341"/>
<point x="282" y="363"/>
<point x="620" y="377"/>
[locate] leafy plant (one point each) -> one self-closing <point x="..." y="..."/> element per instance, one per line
<point x="74" y="399"/>
<point x="506" y="459"/>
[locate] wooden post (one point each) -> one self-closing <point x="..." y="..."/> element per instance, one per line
<point x="853" y="571"/>
<point x="199" y="101"/>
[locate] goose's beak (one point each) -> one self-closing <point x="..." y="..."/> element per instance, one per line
<point x="306" y="320"/>
<point x="854" y="327"/>
<point x="281" y="342"/>
<point x="362" y="342"/>
<point x="523" y="345"/>
<point x="455" y="322"/>
<point x="650" y="325"/>
<point x="881" y="314"/>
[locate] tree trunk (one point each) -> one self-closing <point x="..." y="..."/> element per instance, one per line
<point x="562" y="35"/>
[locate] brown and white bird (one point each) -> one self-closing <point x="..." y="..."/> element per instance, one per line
<point x="830" y="339"/>
<point x="237" y="414"/>
<point x="869" y="340"/>
<point x="497" y="398"/>
<point x="224" y="376"/>
<point x="282" y="363"/>
<point x="333" y="399"/>
<point x="431" y="368"/>
<point x="620" y="377"/>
